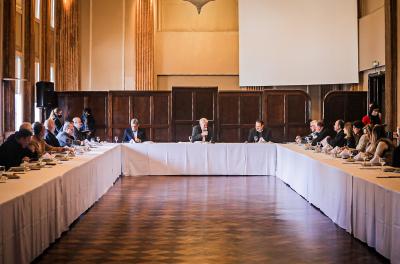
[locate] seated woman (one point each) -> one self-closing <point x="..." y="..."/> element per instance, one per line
<point x="380" y="146"/>
<point x="38" y="143"/>
<point x="364" y="139"/>
<point x="349" y="135"/>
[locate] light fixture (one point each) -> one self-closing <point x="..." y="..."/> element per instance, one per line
<point x="199" y="3"/>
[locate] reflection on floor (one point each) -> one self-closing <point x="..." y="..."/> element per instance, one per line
<point x="206" y="220"/>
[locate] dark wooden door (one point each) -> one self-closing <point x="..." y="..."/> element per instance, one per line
<point x="376" y="90"/>
<point x="191" y="104"/>
<point x="286" y="112"/>
<point x="346" y="105"/>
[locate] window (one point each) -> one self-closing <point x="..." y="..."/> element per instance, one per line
<point x="18" y="93"/>
<point x="52" y="13"/>
<point x="37" y="78"/>
<point x="37" y="9"/>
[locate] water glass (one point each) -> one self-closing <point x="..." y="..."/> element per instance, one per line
<point x="382" y="162"/>
<point x="98" y="139"/>
<point x="116" y="139"/>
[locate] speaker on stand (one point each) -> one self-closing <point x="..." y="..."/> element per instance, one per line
<point x="45" y="98"/>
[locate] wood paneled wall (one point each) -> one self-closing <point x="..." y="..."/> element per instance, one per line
<point x="237" y="113"/>
<point x="286" y="112"/>
<point x="67" y="48"/>
<point x="144" y="48"/>
<point x="73" y="103"/>
<point x="191" y="104"/>
<point x="169" y="116"/>
<point x="153" y="109"/>
<point x="346" y="105"/>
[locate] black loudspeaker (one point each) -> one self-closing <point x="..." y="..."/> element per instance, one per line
<point x="45" y="95"/>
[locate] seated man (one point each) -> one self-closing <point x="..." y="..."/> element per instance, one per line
<point x="13" y="151"/>
<point x="340" y="139"/>
<point x="201" y="132"/>
<point x="134" y="133"/>
<point x="311" y="136"/>
<point x="49" y="135"/>
<point x="322" y="132"/>
<point x="38" y="142"/>
<point x="260" y="133"/>
<point x="29" y="151"/>
<point x="65" y="137"/>
<point x="78" y="134"/>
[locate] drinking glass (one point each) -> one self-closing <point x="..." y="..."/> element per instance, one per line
<point x="365" y="159"/>
<point x="382" y="162"/>
<point x="116" y="139"/>
<point x="98" y="139"/>
<point x="255" y="139"/>
<point x="190" y="139"/>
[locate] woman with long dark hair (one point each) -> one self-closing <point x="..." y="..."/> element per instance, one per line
<point x="374" y="116"/>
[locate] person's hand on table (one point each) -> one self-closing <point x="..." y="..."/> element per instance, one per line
<point x="137" y="140"/>
<point x="26" y="159"/>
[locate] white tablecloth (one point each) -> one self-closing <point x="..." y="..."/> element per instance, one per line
<point x="198" y="159"/>
<point x="352" y="197"/>
<point x="37" y="208"/>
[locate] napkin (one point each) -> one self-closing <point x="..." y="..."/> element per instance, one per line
<point x="359" y="156"/>
<point x="345" y="154"/>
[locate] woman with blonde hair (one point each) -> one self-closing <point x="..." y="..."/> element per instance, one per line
<point x="349" y="135"/>
<point x="380" y="146"/>
<point x="364" y="139"/>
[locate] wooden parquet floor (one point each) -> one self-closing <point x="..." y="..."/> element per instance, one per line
<point x="158" y="219"/>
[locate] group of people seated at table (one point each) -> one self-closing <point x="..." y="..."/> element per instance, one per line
<point x="200" y="132"/>
<point x="367" y="136"/>
<point x="32" y="141"/>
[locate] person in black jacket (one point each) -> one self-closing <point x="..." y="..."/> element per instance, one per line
<point x="89" y="123"/>
<point x="322" y="132"/>
<point x="49" y="136"/>
<point x="259" y="133"/>
<point x="340" y="139"/>
<point x="201" y="131"/>
<point x="13" y="151"/>
<point x="134" y="133"/>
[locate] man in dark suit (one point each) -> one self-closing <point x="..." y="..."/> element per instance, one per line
<point x="201" y="132"/>
<point x="14" y="151"/>
<point x="339" y="140"/>
<point x="134" y="134"/>
<point x="49" y="136"/>
<point x="66" y="138"/>
<point x="260" y="133"/>
<point x="322" y="132"/>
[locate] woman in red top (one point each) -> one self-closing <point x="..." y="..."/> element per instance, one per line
<point x="374" y="117"/>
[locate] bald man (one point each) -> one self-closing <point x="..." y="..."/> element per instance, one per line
<point x="50" y="136"/>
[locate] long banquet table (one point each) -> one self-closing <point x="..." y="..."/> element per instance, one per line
<point x="37" y="208"/>
<point x="351" y="196"/>
<point x="198" y="159"/>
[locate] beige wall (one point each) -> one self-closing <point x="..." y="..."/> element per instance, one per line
<point x="107" y="44"/>
<point x="372" y="39"/>
<point x="197" y="50"/>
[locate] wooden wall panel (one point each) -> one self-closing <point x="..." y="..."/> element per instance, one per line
<point x="153" y="109"/>
<point x="170" y="116"/>
<point x="346" y="105"/>
<point x="287" y="113"/>
<point x="191" y="104"/>
<point x="73" y="103"/>
<point x="238" y="112"/>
